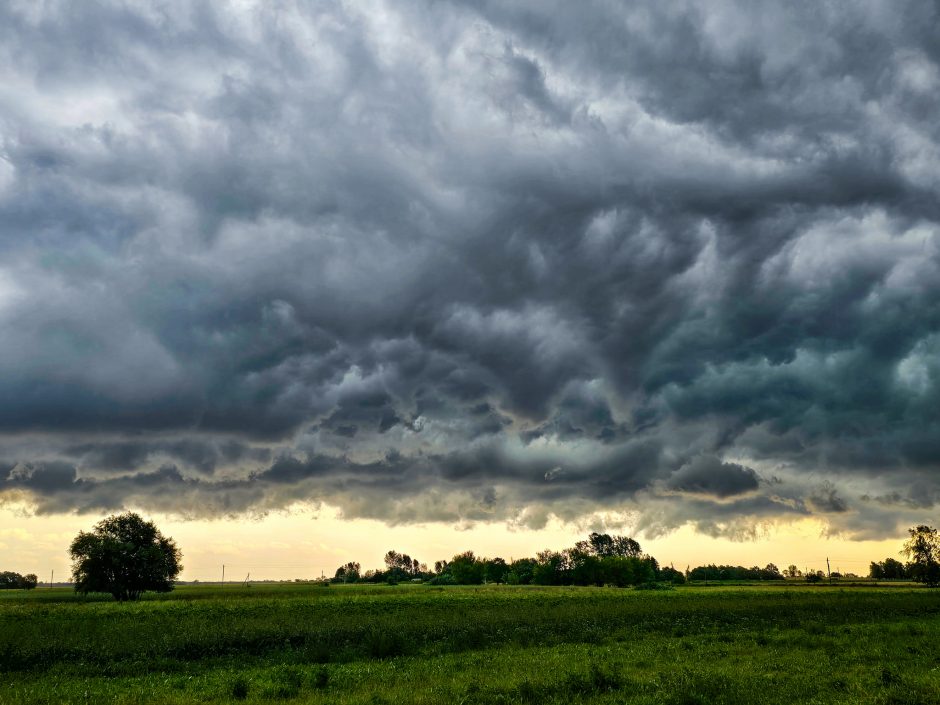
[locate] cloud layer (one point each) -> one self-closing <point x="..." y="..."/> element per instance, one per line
<point x="473" y="261"/>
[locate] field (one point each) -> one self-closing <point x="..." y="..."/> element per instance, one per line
<point x="420" y="644"/>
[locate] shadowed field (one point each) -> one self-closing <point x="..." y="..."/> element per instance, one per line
<point x="419" y="644"/>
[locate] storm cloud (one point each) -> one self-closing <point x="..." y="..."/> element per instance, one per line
<point x="473" y="261"/>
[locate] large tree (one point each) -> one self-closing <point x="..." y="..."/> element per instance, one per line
<point x="125" y="556"/>
<point x="923" y="551"/>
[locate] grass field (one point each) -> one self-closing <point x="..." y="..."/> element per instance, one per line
<point x="419" y="644"/>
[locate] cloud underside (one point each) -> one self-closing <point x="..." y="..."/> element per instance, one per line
<point x="471" y="261"/>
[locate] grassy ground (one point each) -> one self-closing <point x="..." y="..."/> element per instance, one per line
<point x="418" y="644"/>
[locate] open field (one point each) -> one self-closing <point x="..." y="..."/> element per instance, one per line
<point x="419" y="644"/>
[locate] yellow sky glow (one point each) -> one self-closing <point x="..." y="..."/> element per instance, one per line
<point x="305" y="544"/>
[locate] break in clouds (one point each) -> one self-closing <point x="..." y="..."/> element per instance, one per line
<point x="649" y="263"/>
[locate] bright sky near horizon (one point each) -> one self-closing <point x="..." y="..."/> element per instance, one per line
<point x="666" y="269"/>
<point x="302" y="544"/>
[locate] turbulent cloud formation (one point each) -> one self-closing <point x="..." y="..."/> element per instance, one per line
<point x="473" y="261"/>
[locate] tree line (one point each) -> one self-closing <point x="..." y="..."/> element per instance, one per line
<point x="601" y="559"/>
<point x="124" y="555"/>
<point x="15" y="581"/>
<point x="922" y="550"/>
<point x="735" y="572"/>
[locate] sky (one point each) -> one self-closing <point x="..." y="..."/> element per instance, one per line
<point x="303" y="279"/>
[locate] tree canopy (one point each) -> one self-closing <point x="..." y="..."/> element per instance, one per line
<point x="125" y="556"/>
<point x="14" y="581"/>
<point x="923" y="551"/>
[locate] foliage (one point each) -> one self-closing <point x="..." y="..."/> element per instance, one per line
<point x="735" y="572"/>
<point x="599" y="560"/>
<point x="888" y="569"/>
<point x="15" y="581"/>
<point x="923" y="551"/>
<point x="671" y="575"/>
<point x="347" y="573"/>
<point x="124" y="556"/>
<point x="604" y="545"/>
<point x="466" y="569"/>
<point x="399" y="568"/>
<point x="495" y="570"/>
<point x="521" y="571"/>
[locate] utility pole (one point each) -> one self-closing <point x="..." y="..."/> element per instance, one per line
<point x="828" y="572"/>
<point x="51" y="578"/>
<point x="223" y="575"/>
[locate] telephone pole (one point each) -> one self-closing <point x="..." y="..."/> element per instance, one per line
<point x="828" y="572"/>
<point x="223" y="575"/>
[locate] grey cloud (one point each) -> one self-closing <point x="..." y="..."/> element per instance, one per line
<point x="203" y="455"/>
<point x="708" y="475"/>
<point x="473" y="260"/>
<point x="827" y="500"/>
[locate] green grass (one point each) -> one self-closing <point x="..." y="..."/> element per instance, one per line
<point x="418" y="644"/>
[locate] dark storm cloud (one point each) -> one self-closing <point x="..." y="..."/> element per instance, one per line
<point x="709" y="476"/>
<point x="473" y="260"/>
<point x="201" y="454"/>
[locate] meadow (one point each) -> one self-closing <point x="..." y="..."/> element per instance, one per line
<point x="487" y="644"/>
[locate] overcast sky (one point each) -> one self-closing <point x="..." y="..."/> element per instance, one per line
<point x="639" y="265"/>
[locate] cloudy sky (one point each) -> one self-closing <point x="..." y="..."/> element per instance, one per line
<point x="665" y="268"/>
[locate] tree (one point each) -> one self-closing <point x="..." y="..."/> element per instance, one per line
<point x="888" y="569"/>
<point x="15" y="581"/>
<point x="466" y="569"/>
<point x="400" y="566"/>
<point x="520" y="571"/>
<point x="923" y="551"/>
<point x="495" y="570"/>
<point x="671" y="575"/>
<point x="792" y="571"/>
<point x="348" y="572"/>
<point x="551" y="568"/>
<point x="125" y="556"/>
<point x="604" y="545"/>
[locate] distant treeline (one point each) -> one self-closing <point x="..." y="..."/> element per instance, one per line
<point x="601" y="559"/>
<point x="735" y="572"/>
<point x="15" y="581"/>
<point x="890" y="569"/>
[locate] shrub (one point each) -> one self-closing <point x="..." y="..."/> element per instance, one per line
<point x="239" y="688"/>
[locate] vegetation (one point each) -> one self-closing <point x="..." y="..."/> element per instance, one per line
<point x="888" y="569"/>
<point x="124" y="556"/>
<point x="735" y="572"/>
<point x="532" y="634"/>
<point x="15" y="581"/>
<point x="923" y="550"/>
<point x="599" y="560"/>
<point x="496" y="644"/>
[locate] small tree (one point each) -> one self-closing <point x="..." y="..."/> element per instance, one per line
<point x="125" y="556"/>
<point x="348" y="572"/>
<point x="923" y="551"/>
<point x="466" y="569"/>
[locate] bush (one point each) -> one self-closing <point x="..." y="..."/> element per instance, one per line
<point x="239" y="688"/>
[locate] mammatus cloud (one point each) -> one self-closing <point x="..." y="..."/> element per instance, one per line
<point x="471" y="261"/>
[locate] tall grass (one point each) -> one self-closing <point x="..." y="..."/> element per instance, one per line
<point x="296" y="642"/>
